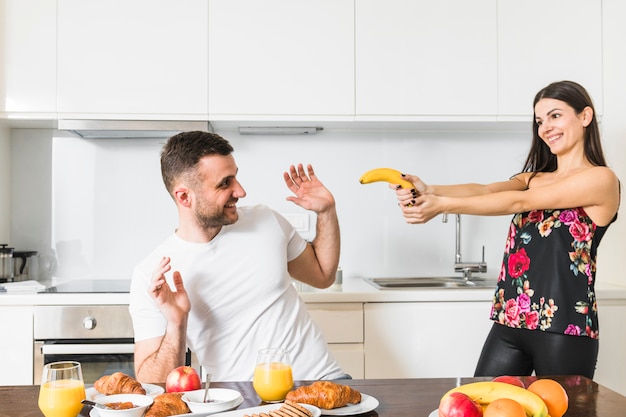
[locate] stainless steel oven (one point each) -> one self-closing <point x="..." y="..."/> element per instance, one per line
<point x="99" y="337"/>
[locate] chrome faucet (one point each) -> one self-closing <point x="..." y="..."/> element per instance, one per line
<point x="467" y="268"/>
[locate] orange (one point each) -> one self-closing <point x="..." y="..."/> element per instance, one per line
<point x="504" y="407"/>
<point x="553" y="394"/>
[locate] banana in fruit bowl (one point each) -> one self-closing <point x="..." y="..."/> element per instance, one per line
<point x="485" y="392"/>
<point x="389" y="175"/>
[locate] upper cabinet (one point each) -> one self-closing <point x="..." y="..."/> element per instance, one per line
<point x="28" y="58"/>
<point x="285" y="60"/>
<point x="545" y="41"/>
<point x="281" y="59"/>
<point x="133" y="59"/>
<point x="419" y="59"/>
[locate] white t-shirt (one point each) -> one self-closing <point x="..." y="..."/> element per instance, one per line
<point x="241" y="298"/>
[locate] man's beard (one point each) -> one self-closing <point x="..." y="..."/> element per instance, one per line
<point x="208" y="217"/>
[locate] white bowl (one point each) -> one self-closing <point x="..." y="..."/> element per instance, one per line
<point x="222" y="399"/>
<point x="141" y="402"/>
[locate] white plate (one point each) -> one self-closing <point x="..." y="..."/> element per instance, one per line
<point x="152" y="390"/>
<point x="94" y="412"/>
<point x="434" y="413"/>
<point x="368" y="403"/>
<point x="260" y="409"/>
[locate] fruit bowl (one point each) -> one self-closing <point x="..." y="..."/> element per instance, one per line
<point x="222" y="399"/>
<point x="140" y="402"/>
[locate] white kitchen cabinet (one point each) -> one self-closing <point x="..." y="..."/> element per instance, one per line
<point x="342" y="326"/>
<point x="16" y="345"/>
<point x="281" y="59"/>
<point x="142" y="59"/>
<point x="611" y="366"/>
<point x="422" y="58"/>
<point x="542" y="41"/>
<point x="28" y="59"/>
<point x="424" y="340"/>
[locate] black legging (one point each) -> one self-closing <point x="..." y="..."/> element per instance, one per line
<point x="509" y="351"/>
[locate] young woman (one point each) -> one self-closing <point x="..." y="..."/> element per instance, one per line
<point x="544" y="307"/>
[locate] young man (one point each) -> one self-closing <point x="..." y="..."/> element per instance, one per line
<point x="230" y="291"/>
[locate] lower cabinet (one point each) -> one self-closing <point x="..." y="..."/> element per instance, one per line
<point x="342" y="325"/>
<point x="424" y="340"/>
<point x="611" y="366"/>
<point x="401" y="339"/>
<point x="16" y="345"/>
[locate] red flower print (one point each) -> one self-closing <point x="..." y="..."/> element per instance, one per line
<point x="512" y="313"/>
<point x="532" y="320"/>
<point x="518" y="263"/>
<point x="535" y="216"/>
<point x="580" y="231"/>
<point x="502" y="275"/>
<point x="510" y="242"/>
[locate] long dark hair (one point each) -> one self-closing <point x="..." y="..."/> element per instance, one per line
<point x="540" y="159"/>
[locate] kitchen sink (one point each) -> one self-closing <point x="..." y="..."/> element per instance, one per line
<point x="429" y="283"/>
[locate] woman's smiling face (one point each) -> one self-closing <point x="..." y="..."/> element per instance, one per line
<point x="559" y="125"/>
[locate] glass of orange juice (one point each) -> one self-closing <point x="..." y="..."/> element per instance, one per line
<point x="62" y="389"/>
<point x="272" y="375"/>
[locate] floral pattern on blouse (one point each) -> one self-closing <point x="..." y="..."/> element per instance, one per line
<point x="546" y="281"/>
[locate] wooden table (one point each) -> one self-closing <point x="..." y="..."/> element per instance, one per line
<point x="397" y="397"/>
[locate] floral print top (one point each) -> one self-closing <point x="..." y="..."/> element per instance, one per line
<point x="548" y="273"/>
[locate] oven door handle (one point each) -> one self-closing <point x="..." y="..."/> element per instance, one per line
<point x="87" y="348"/>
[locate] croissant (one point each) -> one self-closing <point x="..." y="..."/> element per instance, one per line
<point x="167" y="404"/>
<point x="325" y="394"/>
<point x="118" y="383"/>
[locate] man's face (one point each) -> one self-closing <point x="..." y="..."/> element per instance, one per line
<point x="216" y="192"/>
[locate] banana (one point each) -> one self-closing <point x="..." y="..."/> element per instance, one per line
<point x="385" y="174"/>
<point x="485" y="392"/>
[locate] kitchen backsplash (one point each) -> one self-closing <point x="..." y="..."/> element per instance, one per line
<point x="100" y="206"/>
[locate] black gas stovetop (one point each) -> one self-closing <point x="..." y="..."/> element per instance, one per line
<point x="91" y="286"/>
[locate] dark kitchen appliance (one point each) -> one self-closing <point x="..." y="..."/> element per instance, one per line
<point x="6" y="263"/>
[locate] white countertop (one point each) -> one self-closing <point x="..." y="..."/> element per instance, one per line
<point x="354" y="290"/>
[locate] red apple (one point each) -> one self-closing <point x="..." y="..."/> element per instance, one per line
<point x="513" y="380"/>
<point x="458" y="404"/>
<point x="183" y="378"/>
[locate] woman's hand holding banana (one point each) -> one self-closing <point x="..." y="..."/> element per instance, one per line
<point x="418" y="205"/>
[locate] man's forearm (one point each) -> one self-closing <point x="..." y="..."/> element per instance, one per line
<point x="169" y="355"/>
<point x="327" y="243"/>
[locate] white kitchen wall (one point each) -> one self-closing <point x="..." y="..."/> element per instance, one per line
<point x="613" y="249"/>
<point x="100" y="205"/>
